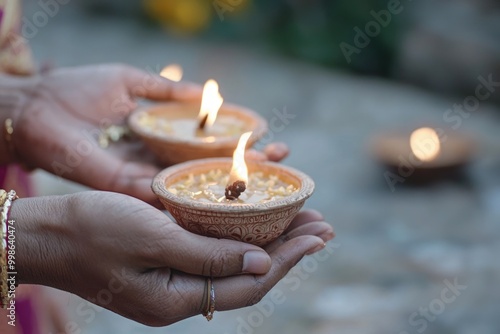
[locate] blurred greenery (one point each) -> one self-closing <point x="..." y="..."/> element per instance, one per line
<point x="309" y="29"/>
<point x="314" y="30"/>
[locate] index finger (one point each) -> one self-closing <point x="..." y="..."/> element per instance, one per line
<point x="154" y="87"/>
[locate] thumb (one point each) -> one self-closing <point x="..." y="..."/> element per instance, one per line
<point x="199" y="255"/>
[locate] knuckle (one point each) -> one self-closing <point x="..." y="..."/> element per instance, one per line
<point x="284" y="238"/>
<point x="280" y="260"/>
<point x="164" y="303"/>
<point x="259" y="291"/>
<point x="215" y="264"/>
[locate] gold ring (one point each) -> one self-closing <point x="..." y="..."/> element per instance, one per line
<point x="9" y="131"/>
<point x="9" y="136"/>
<point x="210" y="300"/>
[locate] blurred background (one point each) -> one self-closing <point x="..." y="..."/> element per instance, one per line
<point x="407" y="259"/>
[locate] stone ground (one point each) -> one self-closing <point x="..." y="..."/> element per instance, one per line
<point x="396" y="252"/>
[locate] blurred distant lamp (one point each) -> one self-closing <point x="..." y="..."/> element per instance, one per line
<point x="425" y="144"/>
<point x="423" y="155"/>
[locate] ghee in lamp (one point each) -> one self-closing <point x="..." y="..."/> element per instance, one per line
<point x="204" y="127"/>
<point x="181" y="131"/>
<point x="212" y="186"/>
<point x="185" y="128"/>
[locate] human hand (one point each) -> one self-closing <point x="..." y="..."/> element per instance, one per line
<point x="128" y="257"/>
<point x="59" y="127"/>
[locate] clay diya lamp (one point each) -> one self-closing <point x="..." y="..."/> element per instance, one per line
<point x="176" y="132"/>
<point x="253" y="202"/>
<point x="424" y="154"/>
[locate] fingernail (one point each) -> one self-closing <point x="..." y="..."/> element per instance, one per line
<point x="281" y="148"/>
<point x="327" y="236"/>
<point x="256" y="262"/>
<point x="276" y="151"/>
<point x="316" y="249"/>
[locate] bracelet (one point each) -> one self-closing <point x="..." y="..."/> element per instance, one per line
<point x="6" y="200"/>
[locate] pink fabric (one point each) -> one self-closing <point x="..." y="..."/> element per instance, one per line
<point x="27" y="322"/>
<point x="16" y="178"/>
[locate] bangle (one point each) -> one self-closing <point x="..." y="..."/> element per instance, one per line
<point x="6" y="200"/>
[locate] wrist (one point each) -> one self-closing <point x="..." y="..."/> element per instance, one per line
<point x="42" y="240"/>
<point x="15" y="95"/>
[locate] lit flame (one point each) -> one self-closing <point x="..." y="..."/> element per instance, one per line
<point x="211" y="102"/>
<point x="172" y="72"/>
<point x="239" y="170"/>
<point x="425" y="144"/>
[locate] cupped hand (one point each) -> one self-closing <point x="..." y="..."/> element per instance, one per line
<point x="59" y="128"/>
<point x="128" y="257"/>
